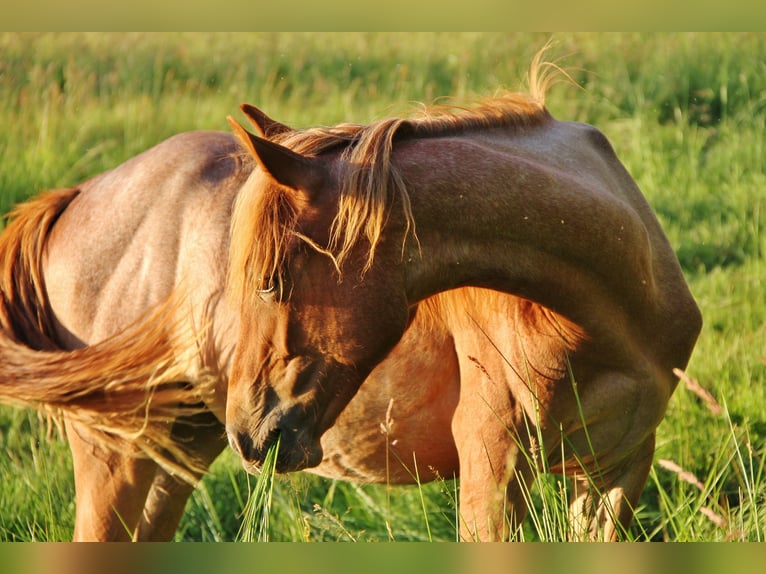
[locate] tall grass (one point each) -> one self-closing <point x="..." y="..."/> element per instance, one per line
<point x="685" y="112"/>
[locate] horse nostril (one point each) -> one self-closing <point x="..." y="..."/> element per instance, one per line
<point x="273" y="436"/>
<point x="244" y="446"/>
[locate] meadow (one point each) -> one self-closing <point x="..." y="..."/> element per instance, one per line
<point x="685" y="112"/>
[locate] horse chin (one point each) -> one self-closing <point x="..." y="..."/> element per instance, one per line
<point x="298" y="457"/>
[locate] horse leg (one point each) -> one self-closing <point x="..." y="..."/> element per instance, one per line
<point x="603" y="505"/>
<point x="492" y="506"/>
<point x="493" y="467"/>
<point x="111" y="485"/>
<point x="166" y="502"/>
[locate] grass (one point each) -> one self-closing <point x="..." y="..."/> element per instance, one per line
<point x="686" y="113"/>
<point x="255" y="520"/>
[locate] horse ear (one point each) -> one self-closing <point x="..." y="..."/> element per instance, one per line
<point x="302" y="173"/>
<point x="266" y="126"/>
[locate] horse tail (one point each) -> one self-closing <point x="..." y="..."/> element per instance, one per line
<point x="128" y="386"/>
<point x="24" y="308"/>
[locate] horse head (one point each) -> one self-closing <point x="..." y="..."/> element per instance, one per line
<point x="315" y="319"/>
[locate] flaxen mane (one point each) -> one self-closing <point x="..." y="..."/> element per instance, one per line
<point x="264" y="218"/>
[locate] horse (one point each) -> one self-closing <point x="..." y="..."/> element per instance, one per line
<point x="130" y="325"/>
<point x="344" y="233"/>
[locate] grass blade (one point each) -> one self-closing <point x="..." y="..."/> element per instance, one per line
<point x="255" y="516"/>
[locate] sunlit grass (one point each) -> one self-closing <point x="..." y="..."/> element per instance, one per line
<point x="255" y="519"/>
<point x="686" y="114"/>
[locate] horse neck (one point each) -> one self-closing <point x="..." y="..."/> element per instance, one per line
<point x="510" y="220"/>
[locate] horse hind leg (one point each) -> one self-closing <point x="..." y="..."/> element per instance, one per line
<point x="602" y="507"/>
<point x="204" y="437"/>
<point x="111" y="485"/>
<point x="122" y="495"/>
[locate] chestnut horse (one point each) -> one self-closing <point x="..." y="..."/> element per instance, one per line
<point x="106" y="317"/>
<point x="344" y="231"/>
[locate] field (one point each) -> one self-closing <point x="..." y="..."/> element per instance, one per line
<point x="685" y="112"/>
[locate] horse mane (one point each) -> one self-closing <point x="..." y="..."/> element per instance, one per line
<point x="264" y="220"/>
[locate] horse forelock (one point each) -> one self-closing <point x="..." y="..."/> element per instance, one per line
<point x="264" y="220"/>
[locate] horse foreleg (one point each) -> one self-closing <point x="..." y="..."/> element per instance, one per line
<point x="602" y="507"/>
<point x="492" y="506"/>
<point x="492" y="472"/>
<point x="204" y="438"/>
<point x="111" y="485"/>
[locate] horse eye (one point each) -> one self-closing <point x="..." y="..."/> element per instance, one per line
<point x="270" y="288"/>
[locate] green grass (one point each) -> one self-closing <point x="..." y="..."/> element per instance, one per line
<point x="686" y="113"/>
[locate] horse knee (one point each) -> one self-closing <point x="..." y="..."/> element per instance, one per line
<point x="603" y="506"/>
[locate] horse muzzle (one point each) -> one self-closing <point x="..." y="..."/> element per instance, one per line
<point x="297" y="450"/>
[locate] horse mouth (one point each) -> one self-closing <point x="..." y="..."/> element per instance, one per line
<point x="292" y="449"/>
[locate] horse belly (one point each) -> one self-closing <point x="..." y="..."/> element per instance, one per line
<point x="400" y="418"/>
